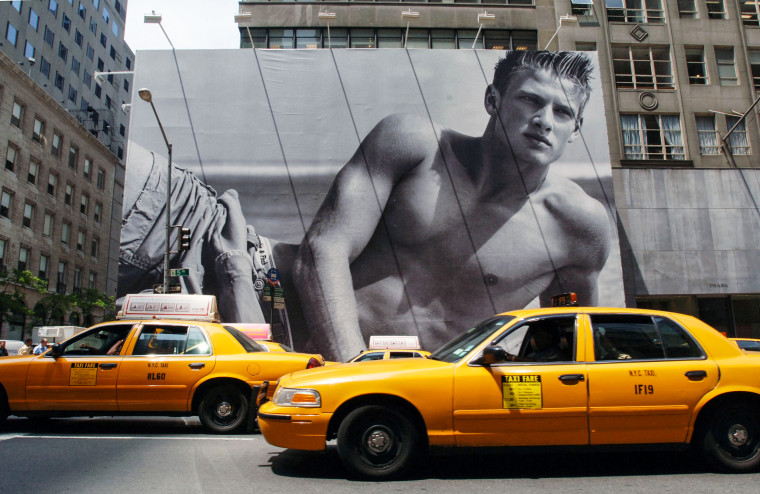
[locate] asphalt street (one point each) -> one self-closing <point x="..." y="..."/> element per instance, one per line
<point x="169" y="455"/>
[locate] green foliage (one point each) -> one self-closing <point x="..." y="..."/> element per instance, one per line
<point x="12" y="298"/>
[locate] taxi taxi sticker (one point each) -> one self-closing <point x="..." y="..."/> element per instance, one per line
<point x="642" y="373"/>
<point x="83" y="374"/>
<point x="521" y="392"/>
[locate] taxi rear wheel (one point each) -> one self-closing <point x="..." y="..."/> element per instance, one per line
<point x="730" y="441"/>
<point x="376" y="442"/>
<point x="223" y="409"/>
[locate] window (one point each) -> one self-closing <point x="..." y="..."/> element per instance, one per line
<point x="126" y="85"/>
<point x="29" y="50"/>
<point x="122" y="130"/>
<point x="93" y="26"/>
<point x="754" y="62"/>
<point x="103" y="39"/>
<point x="49" y="36"/>
<point x="34" y="169"/>
<point x="695" y="64"/>
<point x="38" y="130"/>
<point x="108" y="105"/>
<point x="640" y="67"/>
<point x="716" y="9"/>
<point x="52" y="179"/>
<point x="585" y="46"/>
<point x="77" y="278"/>
<point x="94" y="245"/>
<point x="11" y="33"/>
<point x="96" y="212"/>
<point x="92" y="280"/>
<point x="53" y="7"/>
<point x="640" y="338"/>
<point x="652" y="137"/>
<point x="17" y="114"/>
<point x="101" y="179"/>
<point x="157" y="339"/>
<point x="87" y="80"/>
<point x="72" y="94"/>
<point x="113" y="57"/>
<point x="84" y="204"/>
<point x="708" y="136"/>
<point x="78" y="38"/>
<point x="106" y="15"/>
<point x="90" y="52"/>
<point x="61" y="285"/>
<point x="553" y="340"/>
<point x="47" y="225"/>
<point x="87" y="168"/>
<point x="59" y="80"/>
<point x="2" y="255"/>
<point x="65" y="230"/>
<point x="115" y="29"/>
<point x="687" y="9"/>
<point x="45" y="68"/>
<point x="737" y="140"/>
<point x="66" y="23"/>
<point x="28" y="215"/>
<point x="98" y="90"/>
<point x="16" y="4"/>
<point x="75" y="65"/>
<point x="55" y="148"/>
<point x="80" y="241"/>
<point x="10" y="158"/>
<point x="63" y="52"/>
<point x="68" y="194"/>
<point x="96" y="3"/>
<point x="636" y="11"/>
<point x="73" y="156"/>
<point x="23" y="258"/>
<point x="5" y="203"/>
<point x="34" y="19"/>
<point x="724" y="57"/>
<point x="749" y="12"/>
<point x="82" y="10"/>
<point x="44" y="263"/>
<point x="128" y="63"/>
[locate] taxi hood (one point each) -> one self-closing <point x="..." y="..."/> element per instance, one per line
<point x="373" y="369"/>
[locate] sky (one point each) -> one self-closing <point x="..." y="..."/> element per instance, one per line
<point x="190" y="24"/>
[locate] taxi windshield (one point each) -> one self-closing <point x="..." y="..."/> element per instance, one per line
<point x="456" y="349"/>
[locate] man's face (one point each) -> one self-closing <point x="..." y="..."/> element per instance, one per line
<point x="537" y="116"/>
<point x="44" y="342"/>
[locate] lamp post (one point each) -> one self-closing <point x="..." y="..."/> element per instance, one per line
<point x="154" y="18"/>
<point x="145" y="95"/>
<point x="484" y="16"/>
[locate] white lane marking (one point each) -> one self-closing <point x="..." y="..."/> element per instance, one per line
<point x="163" y="438"/>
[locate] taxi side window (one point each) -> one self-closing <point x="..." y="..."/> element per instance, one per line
<point x="677" y="343"/>
<point x="161" y="340"/>
<point x="196" y="342"/>
<point x="371" y="356"/>
<point x="98" y="341"/>
<point x="404" y="355"/>
<point x="622" y="337"/>
<point x="550" y="339"/>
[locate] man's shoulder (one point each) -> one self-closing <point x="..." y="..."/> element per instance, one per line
<point x="565" y="198"/>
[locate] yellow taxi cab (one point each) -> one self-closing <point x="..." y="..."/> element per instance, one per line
<point x="542" y="377"/>
<point x="164" y="355"/>
<point x="391" y="347"/>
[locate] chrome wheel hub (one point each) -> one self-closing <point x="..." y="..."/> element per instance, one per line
<point x="223" y="409"/>
<point x="738" y="435"/>
<point x="378" y="441"/>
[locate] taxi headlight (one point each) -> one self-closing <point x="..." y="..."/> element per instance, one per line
<point x="293" y="397"/>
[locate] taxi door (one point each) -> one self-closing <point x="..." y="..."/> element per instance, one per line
<point x="83" y="377"/>
<point x="162" y="366"/>
<point x="524" y="403"/>
<point x="648" y="376"/>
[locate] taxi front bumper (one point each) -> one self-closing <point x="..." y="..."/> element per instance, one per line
<point x="293" y="428"/>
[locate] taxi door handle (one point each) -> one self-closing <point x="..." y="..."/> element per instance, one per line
<point x="199" y="365"/>
<point x="696" y="375"/>
<point x="571" y="378"/>
<point x="107" y="366"/>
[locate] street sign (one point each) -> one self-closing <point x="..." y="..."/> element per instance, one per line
<point x="266" y="293"/>
<point x="273" y="276"/>
<point x="175" y="288"/>
<point x="179" y="272"/>
<point x="158" y="288"/>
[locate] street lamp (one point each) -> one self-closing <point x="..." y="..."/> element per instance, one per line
<point x="408" y="15"/>
<point x="156" y="19"/>
<point x="566" y="19"/>
<point x="484" y="16"/>
<point x="145" y="95"/>
<point x="243" y="18"/>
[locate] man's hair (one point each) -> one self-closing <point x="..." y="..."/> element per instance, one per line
<point x="576" y="67"/>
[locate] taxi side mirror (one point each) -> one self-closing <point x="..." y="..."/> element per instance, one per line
<point x="492" y="355"/>
<point x="55" y="350"/>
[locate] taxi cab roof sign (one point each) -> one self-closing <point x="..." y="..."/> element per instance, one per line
<point x="165" y="306"/>
<point x="565" y="299"/>
<point x="394" y="343"/>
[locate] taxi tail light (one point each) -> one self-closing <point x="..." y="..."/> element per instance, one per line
<point x="313" y="363"/>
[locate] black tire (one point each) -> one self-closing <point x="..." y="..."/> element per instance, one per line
<point x="376" y="442"/>
<point x="223" y="409"/>
<point x="729" y="440"/>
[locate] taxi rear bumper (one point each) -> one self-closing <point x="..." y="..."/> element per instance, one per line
<point x="295" y="431"/>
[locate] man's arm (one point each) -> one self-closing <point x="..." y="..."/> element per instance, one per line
<point x="344" y="225"/>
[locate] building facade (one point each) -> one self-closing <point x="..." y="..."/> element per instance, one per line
<point x="680" y="82"/>
<point x="60" y="203"/>
<point x="63" y="45"/>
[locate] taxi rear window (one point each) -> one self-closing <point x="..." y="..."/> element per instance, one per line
<point x="249" y="345"/>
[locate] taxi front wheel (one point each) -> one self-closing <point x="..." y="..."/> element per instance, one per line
<point x="223" y="409"/>
<point x="376" y="442"/>
<point x="730" y="439"/>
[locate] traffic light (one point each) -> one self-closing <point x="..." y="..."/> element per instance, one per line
<point x="184" y="239"/>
